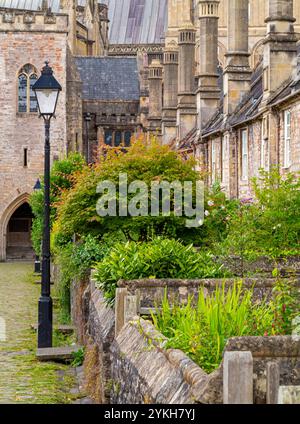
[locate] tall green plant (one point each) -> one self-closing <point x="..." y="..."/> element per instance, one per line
<point x="202" y="330"/>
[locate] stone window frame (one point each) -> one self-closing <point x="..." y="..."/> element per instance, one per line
<point x="213" y="161"/>
<point x="244" y="157"/>
<point x="113" y="137"/>
<point x="264" y="146"/>
<point x="225" y="146"/>
<point x="28" y="71"/>
<point x="287" y="138"/>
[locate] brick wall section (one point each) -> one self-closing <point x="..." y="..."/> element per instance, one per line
<point x="23" y="43"/>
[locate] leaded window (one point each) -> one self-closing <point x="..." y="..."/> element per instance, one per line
<point x="26" y="98"/>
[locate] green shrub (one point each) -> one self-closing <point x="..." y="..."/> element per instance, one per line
<point x="145" y="162"/>
<point x="61" y="179"/>
<point x="270" y="224"/>
<point x="202" y="331"/>
<point x="74" y="261"/>
<point x="160" y="258"/>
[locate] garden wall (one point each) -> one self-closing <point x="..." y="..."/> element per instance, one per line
<point x="151" y="291"/>
<point x="95" y="325"/>
<point x="261" y="266"/>
<point x="134" y="366"/>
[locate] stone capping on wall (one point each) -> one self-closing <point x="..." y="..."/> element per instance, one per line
<point x="143" y="370"/>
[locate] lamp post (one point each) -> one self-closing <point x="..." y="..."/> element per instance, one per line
<point x="37" y="262"/>
<point x="87" y="118"/>
<point x="46" y="90"/>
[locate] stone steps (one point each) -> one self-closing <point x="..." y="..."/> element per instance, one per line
<point x="57" y="354"/>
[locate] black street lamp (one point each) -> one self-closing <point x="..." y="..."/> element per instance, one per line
<point x="87" y="118"/>
<point x="46" y="90"/>
<point x="37" y="262"/>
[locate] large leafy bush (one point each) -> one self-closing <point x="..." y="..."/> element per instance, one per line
<point x="143" y="161"/>
<point x="160" y="258"/>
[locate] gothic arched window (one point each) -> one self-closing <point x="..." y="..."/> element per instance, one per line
<point x="26" y="98"/>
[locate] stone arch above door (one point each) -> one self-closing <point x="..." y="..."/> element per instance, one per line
<point x="4" y="220"/>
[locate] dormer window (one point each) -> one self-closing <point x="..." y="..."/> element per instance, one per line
<point x="26" y="98"/>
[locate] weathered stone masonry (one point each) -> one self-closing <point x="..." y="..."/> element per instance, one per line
<point x="27" y="43"/>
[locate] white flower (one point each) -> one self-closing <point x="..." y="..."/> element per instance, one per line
<point x="200" y="222"/>
<point x="222" y="207"/>
<point x="206" y="213"/>
<point x="210" y="203"/>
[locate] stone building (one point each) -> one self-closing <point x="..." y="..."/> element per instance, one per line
<point x="26" y="40"/>
<point x="30" y="33"/>
<point x="211" y="77"/>
<point x="105" y="100"/>
<point x="242" y="112"/>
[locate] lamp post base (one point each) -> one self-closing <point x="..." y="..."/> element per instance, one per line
<point x="45" y="322"/>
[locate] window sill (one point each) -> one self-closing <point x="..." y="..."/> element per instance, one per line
<point x="26" y="114"/>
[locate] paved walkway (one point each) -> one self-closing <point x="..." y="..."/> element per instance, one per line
<point x="22" y="378"/>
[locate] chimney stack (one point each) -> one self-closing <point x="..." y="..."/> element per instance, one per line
<point x="186" y="109"/>
<point x="280" y="45"/>
<point x="208" y="94"/>
<point x="170" y="92"/>
<point x="237" y="74"/>
<point x="155" y="97"/>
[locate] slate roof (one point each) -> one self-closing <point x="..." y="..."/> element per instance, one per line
<point x="137" y="21"/>
<point x="109" y="78"/>
<point x="131" y="21"/>
<point x="29" y="4"/>
<point x="248" y="108"/>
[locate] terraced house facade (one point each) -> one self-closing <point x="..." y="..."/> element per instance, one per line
<point x="216" y="79"/>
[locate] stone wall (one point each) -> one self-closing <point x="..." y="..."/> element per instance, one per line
<point x="94" y="323"/>
<point x="264" y="266"/>
<point x="136" y="367"/>
<point x="151" y="292"/>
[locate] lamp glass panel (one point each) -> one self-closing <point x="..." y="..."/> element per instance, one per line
<point x="47" y="101"/>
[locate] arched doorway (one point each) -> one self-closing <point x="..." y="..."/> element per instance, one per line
<point x="18" y="234"/>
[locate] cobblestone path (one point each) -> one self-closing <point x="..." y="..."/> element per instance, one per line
<point x="22" y="378"/>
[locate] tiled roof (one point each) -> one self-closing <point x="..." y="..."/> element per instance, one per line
<point x="246" y="109"/>
<point x="187" y="142"/>
<point x="29" y="4"/>
<point x="109" y="78"/>
<point x="137" y="21"/>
